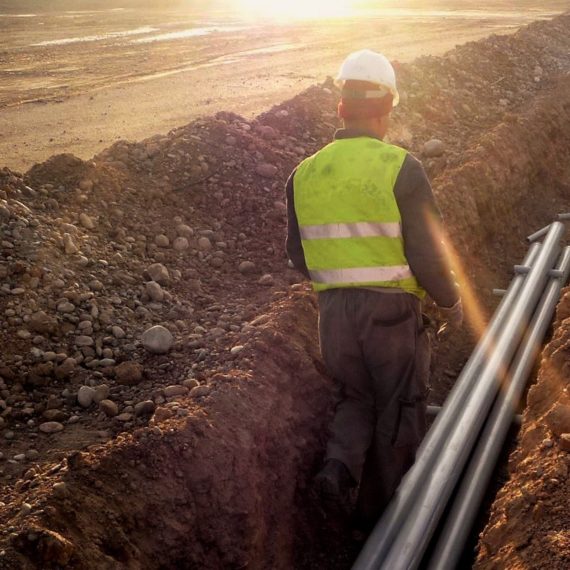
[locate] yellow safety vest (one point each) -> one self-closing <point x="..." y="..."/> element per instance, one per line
<point x="348" y="216"/>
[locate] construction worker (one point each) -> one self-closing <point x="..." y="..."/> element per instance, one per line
<point x="363" y="226"/>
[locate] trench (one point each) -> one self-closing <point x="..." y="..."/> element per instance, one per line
<point x="228" y="485"/>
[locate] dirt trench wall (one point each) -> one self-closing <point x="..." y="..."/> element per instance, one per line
<point x="512" y="181"/>
<point x="217" y="490"/>
<point x="530" y="520"/>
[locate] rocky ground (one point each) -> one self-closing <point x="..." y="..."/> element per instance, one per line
<point x="162" y="401"/>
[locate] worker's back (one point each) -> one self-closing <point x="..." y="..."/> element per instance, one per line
<point x="348" y="216"/>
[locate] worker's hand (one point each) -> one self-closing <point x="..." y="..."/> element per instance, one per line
<point x="452" y="318"/>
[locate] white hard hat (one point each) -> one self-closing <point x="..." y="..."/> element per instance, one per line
<point x="368" y="65"/>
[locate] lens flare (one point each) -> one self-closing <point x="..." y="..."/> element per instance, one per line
<point x="475" y="316"/>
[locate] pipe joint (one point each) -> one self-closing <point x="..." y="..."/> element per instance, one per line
<point x="556" y="273"/>
<point x="522" y="269"/>
<point x="538" y="234"/>
<point x="499" y="292"/>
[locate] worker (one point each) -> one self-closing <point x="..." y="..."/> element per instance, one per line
<point x="364" y="227"/>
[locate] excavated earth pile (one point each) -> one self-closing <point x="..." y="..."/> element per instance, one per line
<point x="162" y="400"/>
<point x="214" y="490"/>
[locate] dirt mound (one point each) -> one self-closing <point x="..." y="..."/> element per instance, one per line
<point x="221" y="413"/>
<point x="242" y="439"/>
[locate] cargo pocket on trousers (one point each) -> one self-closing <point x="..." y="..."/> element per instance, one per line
<point x="411" y="422"/>
<point x="423" y="353"/>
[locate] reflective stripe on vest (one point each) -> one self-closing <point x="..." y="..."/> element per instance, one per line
<point x="362" y="274"/>
<point x="361" y="229"/>
<point x="348" y="216"/>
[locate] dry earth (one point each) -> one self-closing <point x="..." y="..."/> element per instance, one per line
<point x="201" y="456"/>
<point x="530" y="523"/>
<point x="80" y="97"/>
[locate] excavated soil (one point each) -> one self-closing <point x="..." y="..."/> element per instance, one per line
<point x="530" y="522"/>
<point x="201" y="456"/>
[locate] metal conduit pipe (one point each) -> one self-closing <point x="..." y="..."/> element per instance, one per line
<point x="432" y="411"/>
<point x="543" y="231"/>
<point x="476" y="478"/>
<point x="409" y="545"/>
<point x="385" y="530"/>
<point x="538" y="234"/>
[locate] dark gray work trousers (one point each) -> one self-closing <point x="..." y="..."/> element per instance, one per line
<point x="375" y="346"/>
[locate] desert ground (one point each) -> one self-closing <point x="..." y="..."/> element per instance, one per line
<point x="78" y="81"/>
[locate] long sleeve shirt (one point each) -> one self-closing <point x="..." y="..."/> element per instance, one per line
<point x="421" y="229"/>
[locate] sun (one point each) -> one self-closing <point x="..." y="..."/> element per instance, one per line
<point x="295" y="9"/>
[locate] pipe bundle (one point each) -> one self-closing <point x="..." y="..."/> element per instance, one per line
<point x="468" y="434"/>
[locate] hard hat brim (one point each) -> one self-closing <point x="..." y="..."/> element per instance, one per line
<point x="339" y="82"/>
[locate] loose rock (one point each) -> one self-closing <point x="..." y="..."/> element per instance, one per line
<point x="118" y="332"/>
<point x="84" y="340"/>
<point x="69" y="245"/>
<point x="162" y="240"/>
<point x="26" y="509"/>
<point x="85" y="396"/>
<point x="204" y="244"/>
<point x="200" y="391"/>
<point x="266" y="170"/>
<point x="184" y="231"/>
<point x="246" y="267"/>
<point x="159" y="273"/>
<point x="109" y="408"/>
<point x="162" y="414"/>
<point x="180" y="244"/>
<point x="558" y="419"/>
<point x="171" y="391"/>
<point x="433" y="148"/>
<point x="266" y="280"/>
<point x="565" y="442"/>
<point x="42" y="323"/>
<point x="101" y="393"/>
<point x="157" y="340"/>
<point x="154" y="291"/>
<point x="65" y="307"/>
<point x="124" y="417"/>
<point x="60" y="490"/>
<point x="145" y="408"/>
<point x="129" y="373"/>
<point x="51" y="427"/>
<point x="86" y="221"/>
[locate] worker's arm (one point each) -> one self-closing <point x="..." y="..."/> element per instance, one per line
<point x="421" y="228"/>
<point x="293" y="244"/>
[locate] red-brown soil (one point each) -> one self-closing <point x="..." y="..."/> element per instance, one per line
<point x="530" y="522"/>
<point x="215" y="471"/>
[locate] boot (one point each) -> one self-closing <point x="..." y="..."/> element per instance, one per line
<point x="333" y="485"/>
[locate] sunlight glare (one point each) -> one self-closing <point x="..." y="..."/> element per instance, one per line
<point x="295" y="9"/>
